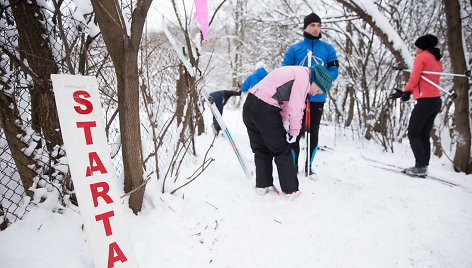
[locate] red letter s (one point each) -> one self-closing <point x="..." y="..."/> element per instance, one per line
<point x="88" y="105"/>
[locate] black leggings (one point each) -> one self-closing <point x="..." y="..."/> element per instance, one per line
<point x="421" y="122"/>
<point x="316" y="111"/>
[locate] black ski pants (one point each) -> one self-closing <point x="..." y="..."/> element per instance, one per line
<point x="267" y="137"/>
<point x="316" y="111"/>
<point x="218" y="99"/>
<point x="419" y="128"/>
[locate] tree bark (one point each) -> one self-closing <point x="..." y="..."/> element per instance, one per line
<point x="461" y="86"/>
<point x="124" y="50"/>
<point x="9" y="119"/>
<point x="36" y="49"/>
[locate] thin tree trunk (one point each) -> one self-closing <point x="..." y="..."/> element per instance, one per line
<point x="123" y="50"/>
<point x="349" y="88"/>
<point x="461" y="85"/>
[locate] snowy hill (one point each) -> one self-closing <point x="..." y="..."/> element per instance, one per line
<point x="351" y="214"/>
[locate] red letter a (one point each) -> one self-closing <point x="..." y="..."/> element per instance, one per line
<point x="93" y="157"/>
<point x="113" y="247"/>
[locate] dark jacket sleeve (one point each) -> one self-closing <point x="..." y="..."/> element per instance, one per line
<point x="228" y="94"/>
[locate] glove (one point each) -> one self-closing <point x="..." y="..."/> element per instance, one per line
<point x="395" y="95"/>
<point x="405" y="96"/>
<point x="286" y="126"/>
<point x="291" y="139"/>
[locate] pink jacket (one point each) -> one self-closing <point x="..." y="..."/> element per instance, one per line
<point x="286" y="88"/>
<point x="424" y="61"/>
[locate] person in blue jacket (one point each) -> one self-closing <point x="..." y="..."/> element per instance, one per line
<point x="323" y="54"/>
<point x="254" y="78"/>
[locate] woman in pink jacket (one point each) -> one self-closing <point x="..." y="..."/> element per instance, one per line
<point x="428" y="102"/>
<point x="273" y="114"/>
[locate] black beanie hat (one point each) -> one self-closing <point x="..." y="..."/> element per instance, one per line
<point x="310" y="19"/>
<point x="426" y="41"/>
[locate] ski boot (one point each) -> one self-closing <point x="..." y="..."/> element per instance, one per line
<point x="262" y="191"/>
<point x="292" y="196"/>
<point x="420" y="172"/>
<point x="309" y="172"/>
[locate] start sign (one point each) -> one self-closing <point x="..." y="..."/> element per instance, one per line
<point x="83" y="132"/>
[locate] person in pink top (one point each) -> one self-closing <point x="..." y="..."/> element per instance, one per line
<point x="273" y="114"/>
<point x="428" y="102"/>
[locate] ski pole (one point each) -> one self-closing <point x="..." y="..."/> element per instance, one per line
<point x="452" y="95"/>
<point x="307" y="124"/>
<point x="404" y="68"/>
<point x="466" y="74"/>
<point x="307" y="131"/>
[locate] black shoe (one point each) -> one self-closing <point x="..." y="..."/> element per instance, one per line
<point x="311" y="171"/>
<point x="421" y="172"/>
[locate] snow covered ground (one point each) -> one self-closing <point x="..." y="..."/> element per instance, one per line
<point x="350" y="215"/>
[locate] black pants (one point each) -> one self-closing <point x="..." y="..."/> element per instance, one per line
<point x="268" y="141"/>
<point x="218" y="99"/>
<point x="316" y="111"/>
<point x="421" y="122"/>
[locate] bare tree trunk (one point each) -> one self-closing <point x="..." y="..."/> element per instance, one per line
<point x="36" y="49"/>
<point x="13" y="133"/>
<point x="123" y="50"/>
<point x="436" y="143"/>
<point x="239" y="31"/>
<point x="461" y="86"/>
<point x="83" y="52"/>
<point x="349" y="88"/>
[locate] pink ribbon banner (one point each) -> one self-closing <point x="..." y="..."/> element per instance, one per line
<point x="202" y="14"/>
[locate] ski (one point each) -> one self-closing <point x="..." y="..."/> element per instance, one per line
<point x="397" y="169"/>
<point x="208" y="100"/>
<point x="325" y="148"/>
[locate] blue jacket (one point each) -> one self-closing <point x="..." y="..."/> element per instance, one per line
<point x="323" y="53"/>
<point x="253" y="79"/>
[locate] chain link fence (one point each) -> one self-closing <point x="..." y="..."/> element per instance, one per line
<point x="13" y="204"/>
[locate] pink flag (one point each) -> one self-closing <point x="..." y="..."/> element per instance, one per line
<point x="202" y="14"/>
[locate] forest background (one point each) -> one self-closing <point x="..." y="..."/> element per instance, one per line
<point x="152" y="107"/>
